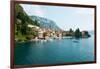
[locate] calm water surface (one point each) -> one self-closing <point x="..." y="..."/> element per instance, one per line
<point x="56" y="51"/>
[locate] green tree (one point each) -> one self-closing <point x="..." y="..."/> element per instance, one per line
<point x="36" y="23"/>
<point x="77" y="33"/>
<point x="70" y="30"/>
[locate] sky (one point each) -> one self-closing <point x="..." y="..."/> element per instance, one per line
<point x="64" y="17"/>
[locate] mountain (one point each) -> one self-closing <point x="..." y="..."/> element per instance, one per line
<point x="22" y="16"/>
<point x="45" y="23"/>
<point x="22" y="19"/>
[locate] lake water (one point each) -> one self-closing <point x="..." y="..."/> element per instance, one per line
<point x="56" y="51"/>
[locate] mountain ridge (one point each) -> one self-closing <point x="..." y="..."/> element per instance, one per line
<point x="45" y="23"/>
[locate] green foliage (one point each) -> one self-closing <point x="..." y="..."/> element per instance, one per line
<point x="35" y="33"/>
<point x="86" y="34"/>
<point x="71" y="31"/>
<point x="36" y="23"/>
<point x="77" y="33"/>
<point x="28" y="37"/>
<point x="22" y="31"/>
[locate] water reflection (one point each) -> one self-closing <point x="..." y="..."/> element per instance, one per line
<point x="56" y="51"/>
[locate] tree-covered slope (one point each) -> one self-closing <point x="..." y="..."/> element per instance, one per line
<point x="22" y="31"/>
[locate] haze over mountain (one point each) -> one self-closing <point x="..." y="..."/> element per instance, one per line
<point x="45" y="23"/>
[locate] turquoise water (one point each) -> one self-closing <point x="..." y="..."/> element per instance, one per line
<point x="56" y="51"/>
